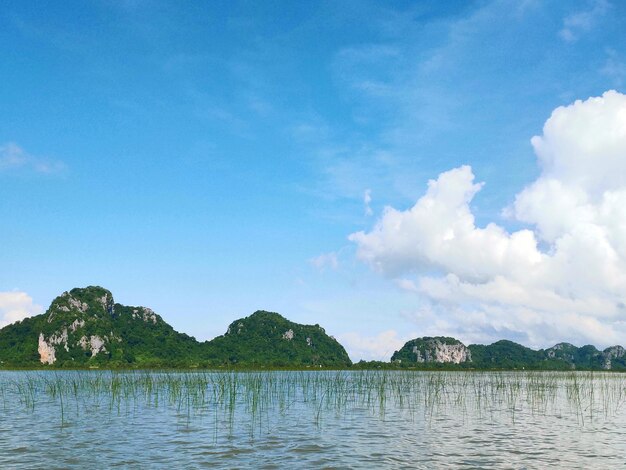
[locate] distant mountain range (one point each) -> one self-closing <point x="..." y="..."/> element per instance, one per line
<point x="507" y="355"/>
<point x="86" y="328"/>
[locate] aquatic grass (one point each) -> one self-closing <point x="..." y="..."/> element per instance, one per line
<point x="259" y="399"/>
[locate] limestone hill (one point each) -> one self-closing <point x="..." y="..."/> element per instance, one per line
<point x="86" y="328"/>
<point x="267" y="338"/>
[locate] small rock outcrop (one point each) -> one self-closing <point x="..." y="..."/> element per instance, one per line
<point x="145" y="314"/>
<point x="94" y="344"/>
<point x="565" y="351"/>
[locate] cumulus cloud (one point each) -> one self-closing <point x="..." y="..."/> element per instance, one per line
<point x="13" y="157"/>
<point x="563" y="278"/>
<point x="15" y="306"/>
<point x="438" y="232"/>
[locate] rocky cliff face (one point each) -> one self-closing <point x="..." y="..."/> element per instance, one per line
<point x="438" y="349"/>
<point x="78" y="323"/>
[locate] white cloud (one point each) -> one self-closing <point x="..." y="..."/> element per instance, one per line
<point x="15" y="306"/>
<point x="580" y="22"/>
<point x="378" y="348"/>
<point x="615" y="68"/>
<point x="574" y="288"/>
<point x="325" y="260"/>
<point x="13" y="157"/>
<point x="438" y="232"/>
<point x="367" y="199"/>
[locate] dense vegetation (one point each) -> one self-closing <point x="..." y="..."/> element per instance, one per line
<point x="267" y="338"/>
<point x="504" y="354"/>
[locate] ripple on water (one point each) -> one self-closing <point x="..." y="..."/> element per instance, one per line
<point x="533" y="429"/>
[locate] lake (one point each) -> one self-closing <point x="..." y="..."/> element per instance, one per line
<point x="317" y="419"/>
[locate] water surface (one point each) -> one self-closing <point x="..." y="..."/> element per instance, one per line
<point x="312" y="419"/>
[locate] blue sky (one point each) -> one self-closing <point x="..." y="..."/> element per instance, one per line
<point x="213" y="158"/>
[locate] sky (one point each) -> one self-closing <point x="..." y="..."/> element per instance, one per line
<point x="387" y="170"/>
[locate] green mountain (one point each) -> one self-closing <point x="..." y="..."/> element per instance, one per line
<point x="267" y="338"/>
<point x="86" y="328"/>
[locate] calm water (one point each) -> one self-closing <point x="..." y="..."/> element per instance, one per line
<point x="312" y="420"/>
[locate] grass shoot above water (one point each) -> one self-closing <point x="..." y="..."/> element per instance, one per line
<point x="257" y="399"/>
